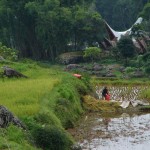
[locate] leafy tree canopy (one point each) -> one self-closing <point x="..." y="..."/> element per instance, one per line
<point x="92" y="53"/>
<point x="43" y="29"/>
<point x="146" y="12"/>
<point x="126" y="47"/>
<point x="120" y="14"/>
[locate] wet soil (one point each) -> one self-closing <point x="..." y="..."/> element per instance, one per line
<point x="124" y="131"/>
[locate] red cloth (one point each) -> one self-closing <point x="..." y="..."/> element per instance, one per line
<point x="107" y="97"/>
<point x="77" y="75"/>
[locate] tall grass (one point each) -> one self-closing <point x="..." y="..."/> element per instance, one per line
<point x="48" y="97"/>
<point x="14" y="139"/>
<point x="23" y="96"/>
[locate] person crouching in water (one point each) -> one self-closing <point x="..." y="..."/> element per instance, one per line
<point x="105" y="94"/>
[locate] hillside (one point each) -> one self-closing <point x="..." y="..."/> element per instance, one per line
<point x="47" y="42"/>
<point x="47" y="103"/>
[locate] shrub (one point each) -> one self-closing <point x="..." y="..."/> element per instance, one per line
<point x="129" y="69"/>
<point x="15" y="138"/>
<point x="115" y="52"/>
<point x="48" y="117"/>
<point x="126" y="48"/>
<point x="147" y="68"/>
<point x="8" y="53"/>
<point x="92" y="53"/>
<point x="51" y="138"/>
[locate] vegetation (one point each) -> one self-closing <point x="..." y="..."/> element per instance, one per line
<point x="126" y="47"/>
<point x="146" y="94"/>
<point x="146" y="15"/>
<point x="8" y="53"/>
<point x="119" y="82"/>
<point x="45" y="29"/>
<point x="123" y="12"/>
<point x="92" y="53"/>
<point x="91" y="104"/>
<point x="145" y="12"/>
<point x="47" y="102"/>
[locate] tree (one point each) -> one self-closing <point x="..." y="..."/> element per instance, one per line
<point x="42" y="29"/>
<point x="146" y="12"/>
<point x="126" y="47"/>
<point x="120" y="14"/>
<point x="92" y="53"/>
<point x="8" y="53"/>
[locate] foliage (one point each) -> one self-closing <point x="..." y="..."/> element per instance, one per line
<point x="92" y="53"/>
<point x="126" y="47"/>
<point x="44" y="29"/>
<point x="146" y="12"/>
<point x="8" y="53"/>
<point x="115" y="53"/>
<point x="146" y="62"/>
<point x="147" y="68"/>
<point x="14" y="138"/>
<point x="145" y="94"/>
<point x="51" y="138"/>
<point x="68" y="100"/>
<point x="146" y="25"/>
<point x="123" y="12"/>
<point x="129" y="70"/>
<point x="139" y="61"/>
<point x="49" y="99"/>
<point x="135" y="30"/>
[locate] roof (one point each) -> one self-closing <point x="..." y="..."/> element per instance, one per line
<point x="118" y="34"/>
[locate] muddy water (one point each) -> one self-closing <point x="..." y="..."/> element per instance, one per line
<point x="116" y="132"/>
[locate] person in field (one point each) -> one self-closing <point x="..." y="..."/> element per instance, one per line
<point x="105" y="94"/>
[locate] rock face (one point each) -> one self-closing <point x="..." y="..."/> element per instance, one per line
<point x="138" y="74"/>
<point x="70" y="58"/>
<point x="9" y="72"/>
<point x="6" y="117"/>
<point x="72" y="66"/>
<point x="96" y="69"/>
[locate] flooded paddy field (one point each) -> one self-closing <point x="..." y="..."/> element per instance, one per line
<point x="113" y="132"/>
<point x="122" y="92"/>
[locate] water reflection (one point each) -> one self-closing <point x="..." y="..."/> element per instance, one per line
<point x="124" y="132"/>
<point x="106" y="122"/>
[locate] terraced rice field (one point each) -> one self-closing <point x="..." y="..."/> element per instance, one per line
<point x="121" y="93"/>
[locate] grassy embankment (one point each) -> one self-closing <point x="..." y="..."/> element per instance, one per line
<point x="47" y="102"/>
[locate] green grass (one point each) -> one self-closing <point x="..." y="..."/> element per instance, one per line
<point x="14" y="139"/>
<point x="116" y="81"/>
<point x="146" y="94"/>
<point x="23" y="96"/>
<point x="48" y="97"/>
